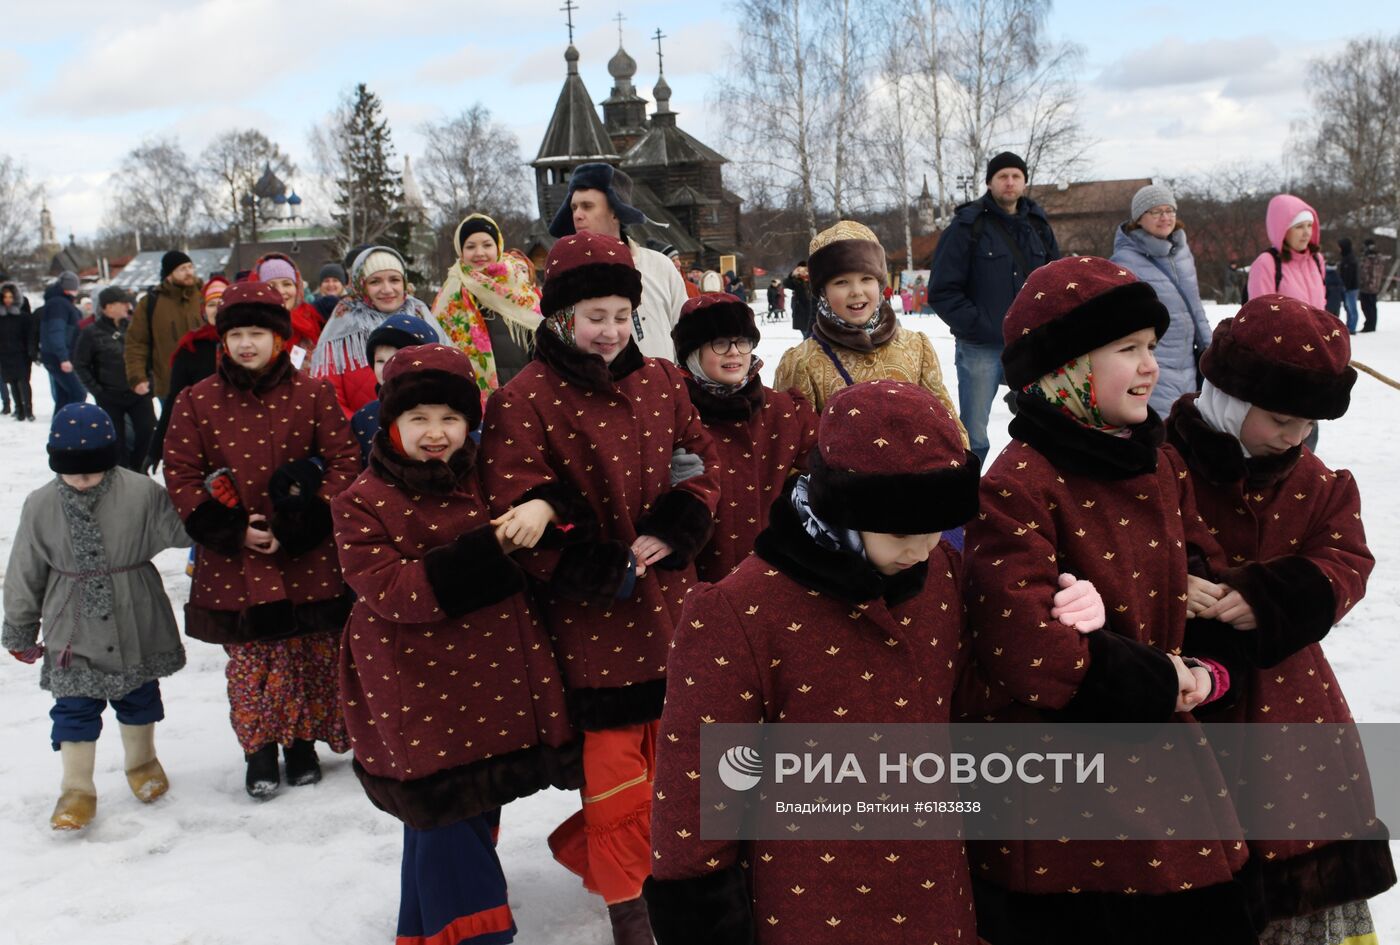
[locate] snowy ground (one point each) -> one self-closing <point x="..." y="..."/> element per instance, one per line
<point x="318" y="864"/>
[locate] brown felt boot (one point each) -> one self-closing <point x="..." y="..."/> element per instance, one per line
<point x="77" y="804"/>
<point x="143" y="770"/>
<point x="631" y="925"/>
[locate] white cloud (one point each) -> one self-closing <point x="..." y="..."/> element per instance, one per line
<point x="1173" y="61"/>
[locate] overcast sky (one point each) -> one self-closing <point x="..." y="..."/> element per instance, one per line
<point x="1166" y="88"/>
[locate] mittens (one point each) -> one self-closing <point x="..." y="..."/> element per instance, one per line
<point x="223" y="488"/>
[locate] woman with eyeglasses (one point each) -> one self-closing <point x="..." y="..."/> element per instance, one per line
<point x="762" y="435"/>
<point x="1152" y="246"/>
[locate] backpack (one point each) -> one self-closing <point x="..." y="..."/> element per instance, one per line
<point x="1278" y="273"/>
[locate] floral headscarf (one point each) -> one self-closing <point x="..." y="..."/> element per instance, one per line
<point x="1071" y="388"/>
<point x="469" y="297"/>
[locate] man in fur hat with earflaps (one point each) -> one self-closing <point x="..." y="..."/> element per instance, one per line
<point x="599" y="201"/>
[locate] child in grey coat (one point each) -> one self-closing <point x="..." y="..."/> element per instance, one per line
<point x="81" y="568"/>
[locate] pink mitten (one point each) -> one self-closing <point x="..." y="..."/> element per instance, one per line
<point x="30" y="655"/>
<point x="1078" y="604"/>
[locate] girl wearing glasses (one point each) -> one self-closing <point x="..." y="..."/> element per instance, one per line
<point x="1152" y="245"/>
<point x="762" y="435"/>
<point x="855" y="335"/>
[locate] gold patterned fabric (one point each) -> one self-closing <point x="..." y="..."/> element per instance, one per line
<point x="907" y="357"/>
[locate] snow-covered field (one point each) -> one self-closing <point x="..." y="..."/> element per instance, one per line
<point x="206" y="864"/>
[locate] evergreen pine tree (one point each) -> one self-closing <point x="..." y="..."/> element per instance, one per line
<point x="370" y="190"/>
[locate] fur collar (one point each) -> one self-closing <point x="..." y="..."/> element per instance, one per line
<point x="1072" y="447"/>
<point x="588" y="371"/>
<point x="741" y="405"/>
<point x="1217" y="456"/>
<point x="280" y="371"/>
<point x="430" y="476"/>
<point x="785" y="545"/>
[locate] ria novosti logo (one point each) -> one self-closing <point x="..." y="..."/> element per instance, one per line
<point x="740" y="768"/>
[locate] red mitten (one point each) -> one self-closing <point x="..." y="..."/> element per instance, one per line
<point x="222" y="487"/>
<point x="30" y="655"/>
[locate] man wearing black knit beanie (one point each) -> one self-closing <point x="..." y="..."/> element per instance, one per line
<point x="981" y="261"/>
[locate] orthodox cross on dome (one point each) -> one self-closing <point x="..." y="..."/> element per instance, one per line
<point x="619" y="18"/>
<point x="568" y="8"/>
<point x="660" y="64"/>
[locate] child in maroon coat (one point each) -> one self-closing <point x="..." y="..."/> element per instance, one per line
<point x="849" y="610"/>
<point x="253" y="456"/>
<point x="1278" y="511"/>
<point x="762" y="435"/>
<point x="442" y="637"/>
<point x="590" y="426"/>
<point x="1083" y="488"/>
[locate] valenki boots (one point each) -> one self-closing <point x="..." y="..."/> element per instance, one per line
<point x="143" y="770"/>
<point x="303" y="767"/>
<point x="77" y="802"/>
<point x="263" y="778"/>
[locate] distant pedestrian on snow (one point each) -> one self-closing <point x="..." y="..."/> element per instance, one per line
<point x="58" y="334"/>
<point x="19" y="348"/>
<point x="1373" y="269"/>
<point x="99" y="358"/>
<point x="1152" y="245"/>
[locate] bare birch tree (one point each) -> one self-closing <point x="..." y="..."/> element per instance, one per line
<point x="231" y="164"/>
<point x="156" y="192"/>
<point x="19" y="212"/>
<point x="774" y="101"/>
<point x="472" y="163"/>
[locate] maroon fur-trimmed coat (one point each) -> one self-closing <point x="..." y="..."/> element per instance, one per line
<point x="1119" y="513"/>
<point x="762" y="436"/>
<point x="595" y="440"/>
<point x="1291" y="511"/>
<point x="801" y="634"/>
<point x="255" y="426"/>
<point x="451" y="694"/>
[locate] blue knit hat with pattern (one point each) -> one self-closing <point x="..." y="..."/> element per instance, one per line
<point x="399" y="331"/>
<point x="82" y="439"/>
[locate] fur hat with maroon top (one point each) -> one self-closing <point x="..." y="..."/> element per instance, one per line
<point x="429" y="374"/>
<point x="709" y="316"/>
<point x="253" y="305"/>
<point x="1283" y="355"/>
<point x="845" y="247"/>
<point x="890" y="458"/>
<point x="588" y="266"/>
<point x="1070" y="307"/>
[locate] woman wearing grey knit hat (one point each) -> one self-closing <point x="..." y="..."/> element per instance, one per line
<point x="1152" y="245"/>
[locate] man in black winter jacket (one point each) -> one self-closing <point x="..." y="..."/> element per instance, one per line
<point x="982" y="260"/>
<point x="99" y="358"/>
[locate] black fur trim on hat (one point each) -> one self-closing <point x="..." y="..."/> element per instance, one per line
<point x="430" y="387"/>
<point x="1294" y="606"/>
<point x="590" y="282"/>
<point x="1007" y="917"/>
<point x="591" y="572"/>
<point x="301" y="523"/>
<point x="721" y="320"/>
<point x="454" y="794"/>
<point x="911" y="503"/>
<point x="275" y="319"/>
<point x="81" y="462"/>
<point x="471" y="572"/>
<point x="218" y="527"/>
<point x="1127" y="681"/>
<point x="714" y="909"/>
<point x="786" y="545"/>
<point x="1275" y="385"/>
<point x="680" y="520"/>
<point x="1104" y="318"/>
<point x="599" y="709"/>
<point x="841" y="256"/>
